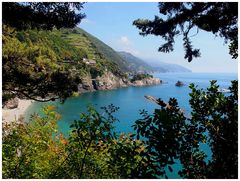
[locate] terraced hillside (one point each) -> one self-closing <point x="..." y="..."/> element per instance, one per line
<point x="95" y="49"/>
<point x="81" y="41"/>
<point x="75" y="50"/>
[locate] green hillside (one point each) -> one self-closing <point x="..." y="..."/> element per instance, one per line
<point x="69" y="47"/>
<point x="103" y="50"/>
<point x="95" y="49"/>
<point x="41" y="58"/>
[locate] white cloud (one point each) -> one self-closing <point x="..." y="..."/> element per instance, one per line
<point x="125" y="41"/>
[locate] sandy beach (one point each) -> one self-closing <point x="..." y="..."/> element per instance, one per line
<point x="9" y="115"/>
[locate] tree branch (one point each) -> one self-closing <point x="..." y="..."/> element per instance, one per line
<point x="32" y="98"/>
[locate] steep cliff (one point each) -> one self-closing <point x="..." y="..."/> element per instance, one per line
<point x="109" y="81"/>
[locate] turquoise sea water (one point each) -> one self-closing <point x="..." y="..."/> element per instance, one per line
<point x="131" y="99"/>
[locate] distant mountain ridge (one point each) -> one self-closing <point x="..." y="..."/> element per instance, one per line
<point x="138" y="65"/>
<point x="135" y="63"/>
<point x="159" y="66"/>
<point x="105" y="56"/>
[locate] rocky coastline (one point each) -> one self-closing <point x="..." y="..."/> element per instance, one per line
<point x="109" y="81"/>
<point x="15" y="108"/>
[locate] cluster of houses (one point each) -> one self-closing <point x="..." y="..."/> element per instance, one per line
<point x="85" y="60"/>
<point x="89" y="61"/>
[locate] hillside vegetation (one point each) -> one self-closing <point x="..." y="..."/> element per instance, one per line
<point x="46" y="60"/>
<point x="73" y="56"/>
<point x="104" y="50"/>
<point x="41" y="63"/>
<point x="40" y="56"/>
<point x="70" y="46"/>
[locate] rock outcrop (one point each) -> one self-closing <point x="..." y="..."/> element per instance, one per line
<point x="86" y="85"/>
<point x="11" y="104"/>
<point x="109" y="81"/>
<point x="147" y="82"/>
<point x="179" y="84"/>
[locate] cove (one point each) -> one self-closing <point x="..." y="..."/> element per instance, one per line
<point x="131" y="100"/>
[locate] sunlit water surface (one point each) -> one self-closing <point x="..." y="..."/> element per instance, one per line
<point x="131" y="100"/>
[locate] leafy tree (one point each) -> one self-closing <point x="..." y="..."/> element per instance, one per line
<point x="125" y="157"/>
<point x="169" y="135"/>
<point x="96" y="151"/>
<point x="140" y="77"/>
<point x="30" y="67"/>
<point x="179" y="18"/>
<point x="86" y="133"/>
<point x="42" y="15"/>
<point x="92" y="149"/>
<point x="30" y="149"/>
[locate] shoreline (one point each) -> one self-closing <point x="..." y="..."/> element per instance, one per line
<point x="12" y="115"/>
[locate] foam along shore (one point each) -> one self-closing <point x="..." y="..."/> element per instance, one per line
<point x="10" y="115"/>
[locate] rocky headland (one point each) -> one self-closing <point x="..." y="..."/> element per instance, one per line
<point x="109" y="81"/>
<point x="146" y="82"/>
<point x="15" y="108"/>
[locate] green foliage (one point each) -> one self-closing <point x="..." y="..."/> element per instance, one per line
<point x="86" y="133"/>
<point x="125" y="157"/>
<point x="91" y="150"/>
<point x="95" y="151"/>
<point x="233" y="49"/>
<point x="169" y="135"/>
<point x="140" y="77"/>
<point x="106" y="52"/>
<point x="42" y="15"/>
<point x="179" y="18"/>
<point x="162" y="133"/>
<point x="32" y="66"/>
<point x="219" y="116"/>
<point x="75" y="94"/>
<point x="106" y="58"/>
<point x="30" y="149"/>
<point x="47" y="65"/>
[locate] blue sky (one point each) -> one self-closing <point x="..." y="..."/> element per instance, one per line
<point x="112" y="23"/>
